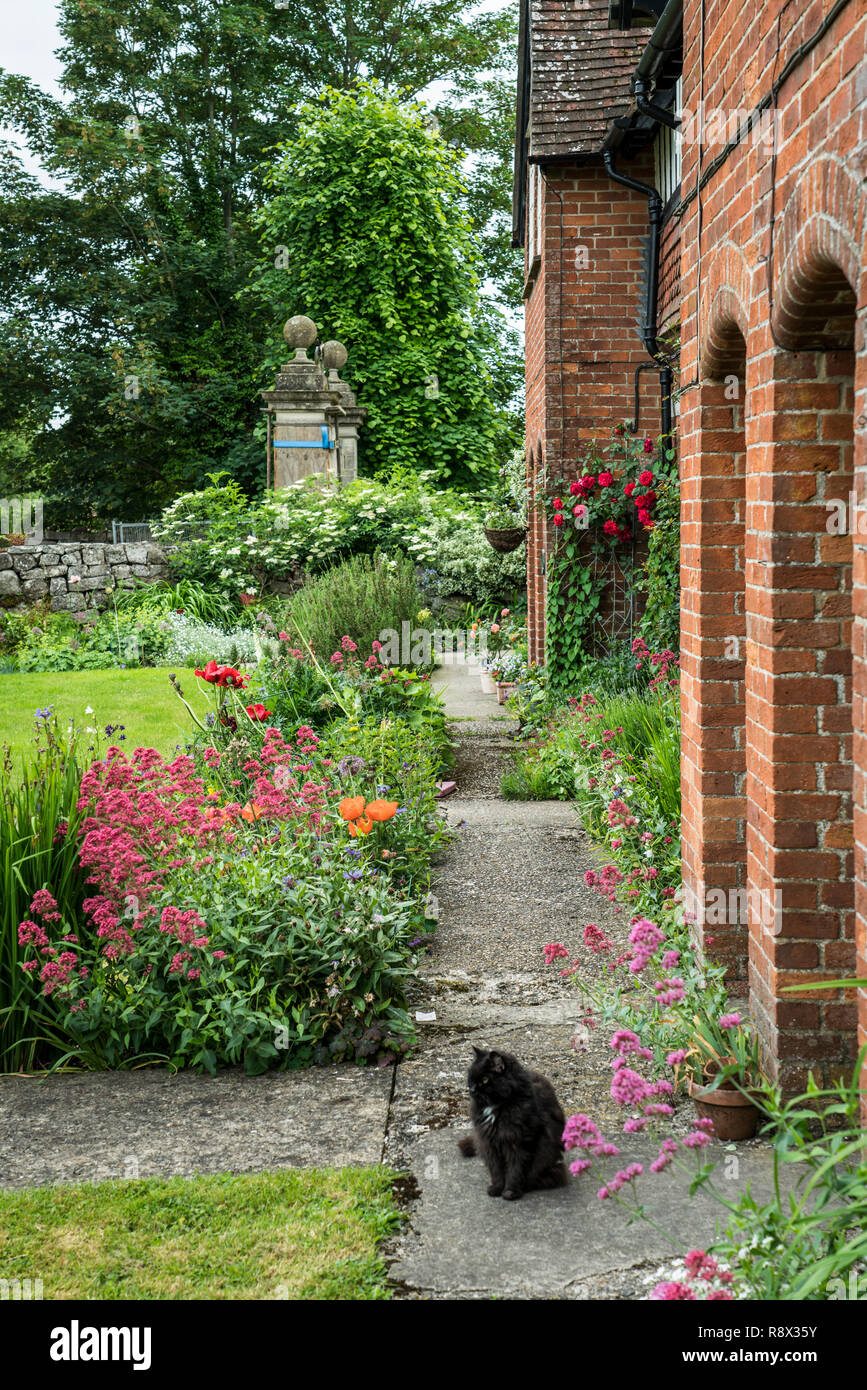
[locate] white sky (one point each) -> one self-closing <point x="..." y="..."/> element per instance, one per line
<point x="28" y="37"/>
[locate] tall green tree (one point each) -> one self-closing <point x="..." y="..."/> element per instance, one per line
<point x="131" y="351"/>
<point x="372" y="238"/>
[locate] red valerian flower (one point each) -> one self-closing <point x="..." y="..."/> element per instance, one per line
<point x="605" y="479"/>
<point x="645" y="478"/>
<point x="258" y="712"/>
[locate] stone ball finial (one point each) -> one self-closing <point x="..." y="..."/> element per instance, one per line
<point x="333" y="355"/>
<point x="299" y="331"/>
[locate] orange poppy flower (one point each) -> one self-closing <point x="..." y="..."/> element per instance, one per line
<point x="351" y="807"/>
<point x="362" y="826"/>
<point x="381" y="810"/>
<point x="251" y="812"/>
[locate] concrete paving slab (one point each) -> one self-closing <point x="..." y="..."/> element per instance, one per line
<point x="466" y="1244"/>
<point x="145" y="1123"/>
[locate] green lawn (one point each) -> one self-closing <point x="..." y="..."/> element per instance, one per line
<point x="142" y="700"/>
<point x="297" y="1234"/>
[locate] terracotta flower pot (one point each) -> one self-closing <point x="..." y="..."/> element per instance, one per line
<point x="734" y="1115"/>
<point x="504" y="690"/>
<point x="489" y="685"/>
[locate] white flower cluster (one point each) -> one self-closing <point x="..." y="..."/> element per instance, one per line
<point x="193" y="643"/>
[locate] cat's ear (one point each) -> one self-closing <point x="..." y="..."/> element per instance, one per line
<point x="478" y="1053"/>
<point x="498" y="1061"/>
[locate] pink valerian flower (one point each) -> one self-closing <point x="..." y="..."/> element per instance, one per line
<point x="348" y="645"/>
<point x="671" y="991"/>
<point x="730" y="1021"/>
<point x="645" y="938"/>
<point x="580" y="1165"/>
<point x="625" y="1042"/>
<point x="595" y="940"/>
<point x="628" y="1088"/>
<point x="697" y="1140"/>
<point x="634" y="1125"/>
<point x="670" y="959"/>
<point x="44" y="906"/>
<point x="555" y="950"/>
<point x="674" y="1059"/>
<point x="672" y="1292"/>
<point x="31" y="934"/>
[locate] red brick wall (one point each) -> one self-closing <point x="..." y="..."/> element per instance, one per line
<point x="582" y="344"/>
<point x="773" y="266"/>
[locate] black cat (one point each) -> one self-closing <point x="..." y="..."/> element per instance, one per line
<point x="517" y="1126"/>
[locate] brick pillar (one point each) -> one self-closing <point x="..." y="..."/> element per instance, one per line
<point x="859" y="681"/>
<point x="799" y="714"/>
<point x="713" y="633"/>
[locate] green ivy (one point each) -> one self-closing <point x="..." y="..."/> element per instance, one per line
<point x="368" y="207"/>
<point x="660" y="581"/>
<point x="573" y="603"/>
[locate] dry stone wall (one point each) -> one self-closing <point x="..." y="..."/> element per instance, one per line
<point x="75" y="576"/>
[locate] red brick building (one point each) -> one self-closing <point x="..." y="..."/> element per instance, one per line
<point x="761" y="259"/>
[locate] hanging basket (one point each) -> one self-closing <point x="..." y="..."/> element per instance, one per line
<point x="505" y="539"/>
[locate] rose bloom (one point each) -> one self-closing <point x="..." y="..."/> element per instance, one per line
<point x="495" y="627"/>
<point x="574" y="487"/>
<point x="578" y="510"/>
<point x="645" y="478"/>
<point x="558" y="519"/>
<point x="629" y="489"/>
<point x="605" y="479"/>
<point x="558" y="503"/>
<point x="611" y="528"/>
<point x="648" y="446"/>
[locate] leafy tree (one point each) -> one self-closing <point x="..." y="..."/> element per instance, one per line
<point x="131" y="351"/>
<point x="378" y="249"/>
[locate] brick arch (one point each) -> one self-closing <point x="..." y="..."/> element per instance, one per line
<point x="725" y="315"/>
<point x="818" y="271"/>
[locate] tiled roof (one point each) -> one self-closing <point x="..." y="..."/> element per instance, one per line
<point x="580" y="71"/>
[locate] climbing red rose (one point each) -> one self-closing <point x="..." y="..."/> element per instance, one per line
<point x="558" y="503"/>
<point x="574" y="487"/>
<point x="645" y="478"/>
<point x="558" y="519"/>
<point x="648" y="446"/>
<point x="606" y="479"/>
<point x="611" y="528"/>
<point x="629" y="489"/>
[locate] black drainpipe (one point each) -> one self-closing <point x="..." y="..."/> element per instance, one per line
<point x="651" y="298"/>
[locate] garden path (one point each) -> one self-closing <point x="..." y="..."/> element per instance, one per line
<point x="511" y="880"/>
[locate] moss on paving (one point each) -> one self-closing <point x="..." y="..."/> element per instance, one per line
<point x="297" y="1234"/>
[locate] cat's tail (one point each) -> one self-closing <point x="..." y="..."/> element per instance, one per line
<point x="468" y="1146"/>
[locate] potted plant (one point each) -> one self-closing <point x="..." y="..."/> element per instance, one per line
<point x="503" y="528"/>
<point x="724" y="1075"/>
